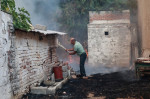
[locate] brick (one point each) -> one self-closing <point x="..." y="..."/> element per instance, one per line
<point x="51" y="90"/>
<point x="40" y="27"/>
<point x="109" y="15"/>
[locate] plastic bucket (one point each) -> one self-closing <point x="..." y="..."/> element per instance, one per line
<point x="58" y="72"/>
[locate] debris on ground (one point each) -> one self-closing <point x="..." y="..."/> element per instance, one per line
<point x="118" y="85"/>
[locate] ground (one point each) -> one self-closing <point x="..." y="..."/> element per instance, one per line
<point x="118" y="85"/>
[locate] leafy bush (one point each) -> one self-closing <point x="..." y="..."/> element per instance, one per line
<point x="21" y="19"/>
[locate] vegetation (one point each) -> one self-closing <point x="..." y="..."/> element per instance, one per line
<point x="21" y="19"/>
<point x="75" y="16"/>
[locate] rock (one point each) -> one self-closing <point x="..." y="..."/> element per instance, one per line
<point x="51" y="90"/>
<point x="48" y="82"/>
<point x="64" y="68"/>
<point x="65" y="74"/>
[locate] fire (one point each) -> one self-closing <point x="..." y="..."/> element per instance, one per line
<point x="86" y="51"/>
<point x="70" y="60"/>
<point x="73" y="59"/>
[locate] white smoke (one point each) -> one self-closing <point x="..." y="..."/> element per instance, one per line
<point x="94" y="69"/>
<point x="99" y="68"/>
<point x="45" y="12"/>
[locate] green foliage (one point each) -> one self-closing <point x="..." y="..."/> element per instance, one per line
<point x="21" y="19"/>
<point x="75" y="16"/>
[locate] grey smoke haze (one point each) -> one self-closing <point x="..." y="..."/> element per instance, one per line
<point x="90" y="68"/>
<point x="97" y="68"/>
<point x="43" y="12"/>
<point x="46" y="12"/>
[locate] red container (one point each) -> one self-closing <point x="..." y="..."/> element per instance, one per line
<point x="58" y="72"/>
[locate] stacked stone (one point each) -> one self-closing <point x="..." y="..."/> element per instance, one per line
<point x="65" y="70"/>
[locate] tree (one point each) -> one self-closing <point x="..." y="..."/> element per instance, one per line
<point x="75" y="16"/>
<point x="21" y="19"/>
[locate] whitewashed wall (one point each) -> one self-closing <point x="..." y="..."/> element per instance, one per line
<point x="25" y="58"/>
<point x="5" y="43"/>
<point x="113" y="49"/>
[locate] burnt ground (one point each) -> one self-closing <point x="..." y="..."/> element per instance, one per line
<point x="108" y="86"/>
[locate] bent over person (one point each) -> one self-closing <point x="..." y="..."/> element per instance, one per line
<point x="78" y="48"/>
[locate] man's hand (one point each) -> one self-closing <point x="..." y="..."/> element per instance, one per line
<point x="70" y="49"/>
<point x="72" y="53"/>
<point x="66" y="50"/>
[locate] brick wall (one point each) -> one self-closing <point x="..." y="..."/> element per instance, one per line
<point x="109" y="15"/>
<point x="25" y="58"/>
<point x="113" y="49"/>
<point x="34" y="59"/>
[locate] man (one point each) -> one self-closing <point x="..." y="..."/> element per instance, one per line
<point x="78" y="48"/>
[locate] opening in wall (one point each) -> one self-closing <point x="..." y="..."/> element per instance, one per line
<point x="106" y="33"/>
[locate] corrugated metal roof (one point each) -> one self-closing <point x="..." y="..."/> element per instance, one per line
<point x="48" y="32"/>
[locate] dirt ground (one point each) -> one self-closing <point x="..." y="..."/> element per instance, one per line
<point x="118" y="85"/>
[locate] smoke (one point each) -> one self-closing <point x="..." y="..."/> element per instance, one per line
<point x="74" y="61"/>
<point x="98" y="68"/>
<point x="45" y="12"/>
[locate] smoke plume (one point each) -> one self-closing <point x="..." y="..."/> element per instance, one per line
<point x="46" y="12"/>
<point x="43" y="12"/>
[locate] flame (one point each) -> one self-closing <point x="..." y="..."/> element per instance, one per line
<point x="70" y="59"/>
<point x="75" y="59"/>
<point x="86" y="51"/>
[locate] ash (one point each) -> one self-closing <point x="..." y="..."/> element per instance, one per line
<point x="117" y="85"/>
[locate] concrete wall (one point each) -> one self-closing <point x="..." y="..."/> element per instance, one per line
<point x="144" y="25"/>
<point x="113" y="49"/>
<point x="5" y="43"/>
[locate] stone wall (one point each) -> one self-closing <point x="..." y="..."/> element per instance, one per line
<point x="144" y="26"/>
<point x="5" y="44"/>
<point x="109" y="39"/>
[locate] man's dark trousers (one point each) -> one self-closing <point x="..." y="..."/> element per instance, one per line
<point x="82" y="62"/>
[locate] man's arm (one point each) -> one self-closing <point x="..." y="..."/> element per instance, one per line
<point x="72" y="53"/>
<point x="70" y="49"/>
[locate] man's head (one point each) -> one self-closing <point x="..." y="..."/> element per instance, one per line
<point x="72" y="41"/>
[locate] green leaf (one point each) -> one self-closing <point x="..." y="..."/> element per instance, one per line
<point x="21" y="19"/>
